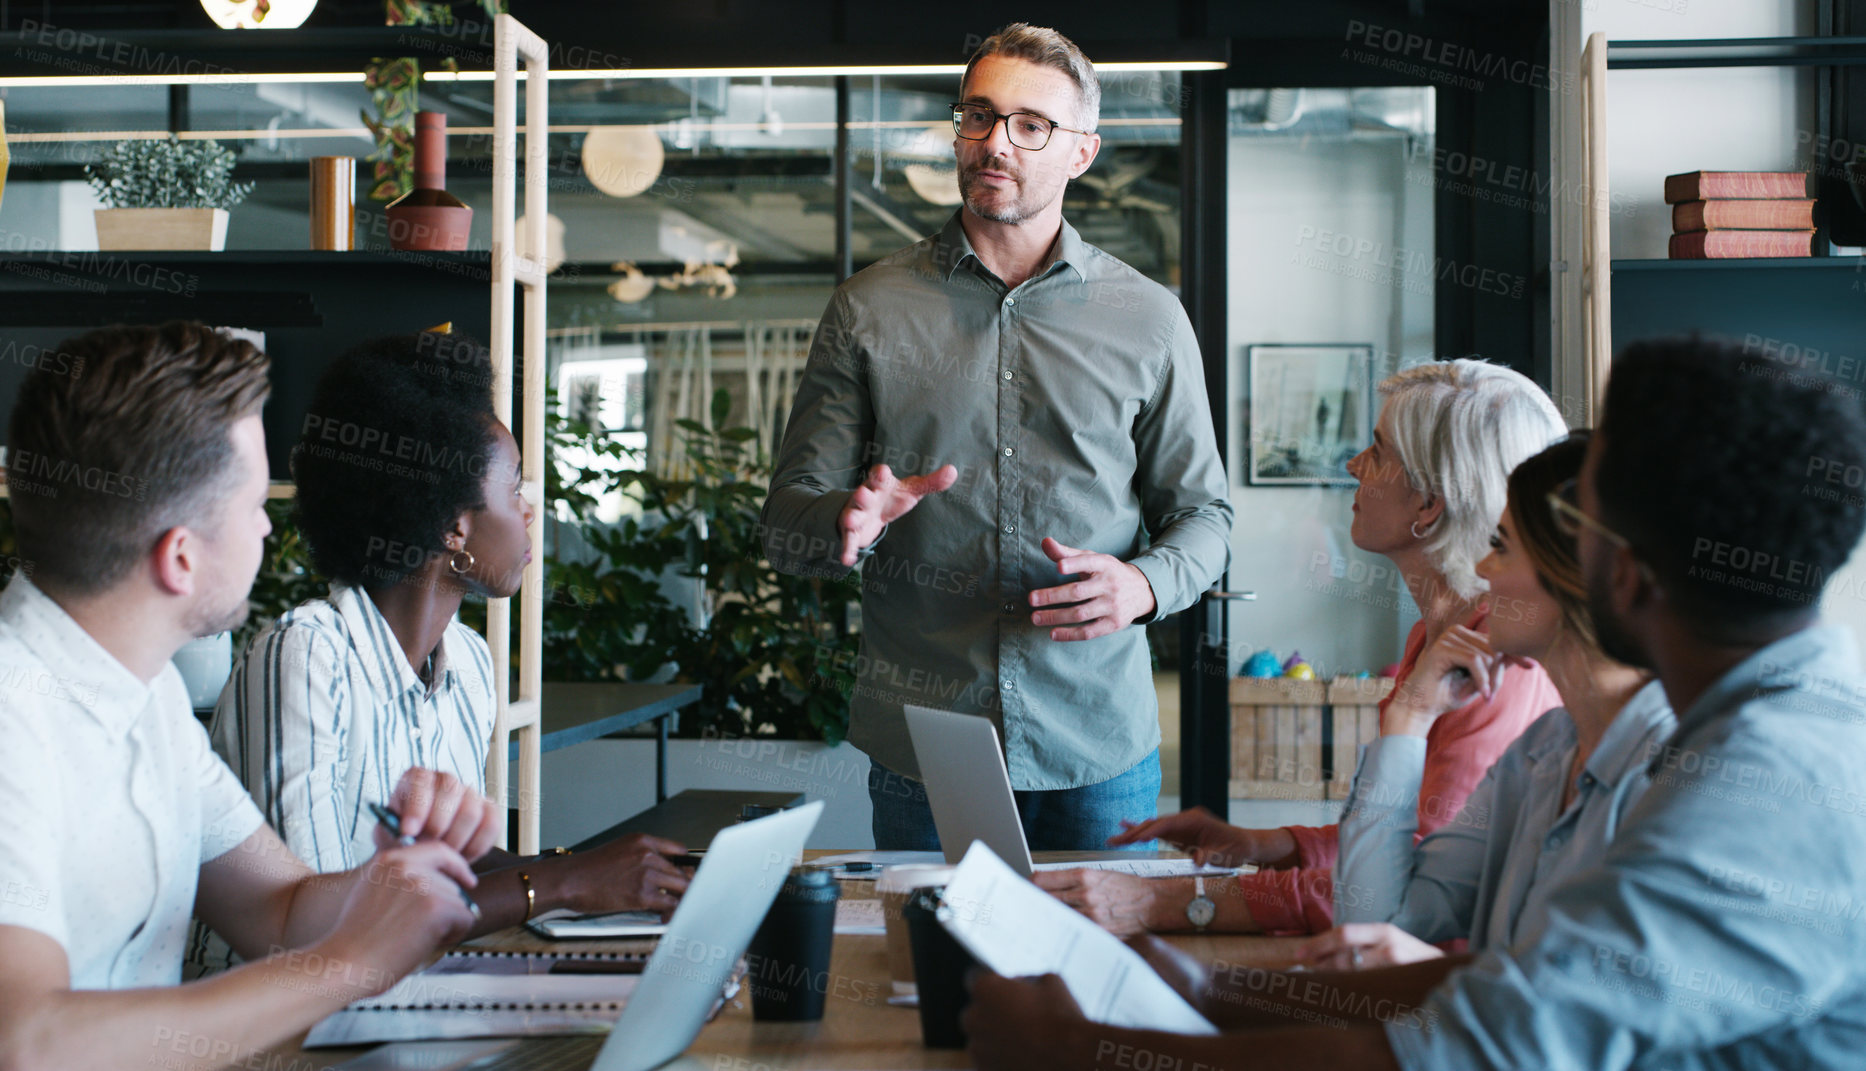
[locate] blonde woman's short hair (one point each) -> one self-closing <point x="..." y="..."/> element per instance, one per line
<point x="1460" y="427"/>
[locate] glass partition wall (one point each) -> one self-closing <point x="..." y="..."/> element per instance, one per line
<point x="695" y="219"/>
<point x="1331" y="277"/>
<point x="695" y="225"/>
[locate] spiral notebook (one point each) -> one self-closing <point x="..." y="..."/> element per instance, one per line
<point x="479" y="994"/>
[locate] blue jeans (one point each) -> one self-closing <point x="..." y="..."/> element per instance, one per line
<point x="1067" y="819"/>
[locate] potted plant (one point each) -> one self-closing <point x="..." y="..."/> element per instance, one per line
<point x="774" y="651"/>
<point x="165" y="194"/>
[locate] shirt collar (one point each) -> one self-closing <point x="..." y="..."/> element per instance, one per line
<point x="384" y="661"/>
<point x="1821" y="661"/>
<point x="1631" y="736"/>
<point x="954" y="248"/>
<point x="77" y="667"/>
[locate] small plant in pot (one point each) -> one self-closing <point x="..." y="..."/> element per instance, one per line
<point x="165" y="194"/>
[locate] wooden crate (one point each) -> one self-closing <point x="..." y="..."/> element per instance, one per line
<point x="1277" y="735"/>
<point x="1276" y="738"/>
<point x="1354" y="704"/>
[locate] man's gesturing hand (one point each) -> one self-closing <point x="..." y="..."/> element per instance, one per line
<point x="1107" y="596"/>
<point x="880" y="500"/>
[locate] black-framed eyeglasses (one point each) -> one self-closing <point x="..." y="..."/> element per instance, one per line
<point x="1564" y="503"/>
<point x="1027" y="130"/>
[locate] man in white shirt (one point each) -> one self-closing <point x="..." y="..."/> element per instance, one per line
<point x="137" y="476"/>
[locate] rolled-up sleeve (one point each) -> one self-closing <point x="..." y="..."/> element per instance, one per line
<point x="1427" y="888"/>
<point x="821" y="459"/>
<point x="1184" y="495"/>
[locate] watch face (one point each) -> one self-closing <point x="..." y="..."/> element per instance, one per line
<point x="1200" y="911"/>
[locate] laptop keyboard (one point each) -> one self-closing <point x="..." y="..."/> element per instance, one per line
<point x="554" y="1054"/>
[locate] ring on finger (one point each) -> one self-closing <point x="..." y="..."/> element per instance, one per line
<point x="1356" y="957"/>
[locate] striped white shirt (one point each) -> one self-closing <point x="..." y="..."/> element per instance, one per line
<point x="324" y="714"/>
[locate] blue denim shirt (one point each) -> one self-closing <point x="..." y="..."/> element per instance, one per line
<point x="1487" y="874"/>
<point x="1726" y="924"/>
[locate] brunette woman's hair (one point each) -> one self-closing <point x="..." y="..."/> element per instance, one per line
<point x="1553" y="552"/>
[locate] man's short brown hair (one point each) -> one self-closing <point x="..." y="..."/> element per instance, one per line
<point x="1045" y="48"/>
<point x="129" y="439"/>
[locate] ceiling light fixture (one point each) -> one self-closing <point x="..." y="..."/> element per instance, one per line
<point x="850" y="71"/>
<point x="623" y="161"/>
<point x="66" y="81"/>
<point x="49" y="81"/>
<point x="258" y="14"/>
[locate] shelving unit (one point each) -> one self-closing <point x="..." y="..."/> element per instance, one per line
<point x="311" y="306"/>
<point x="1808" y="305"/>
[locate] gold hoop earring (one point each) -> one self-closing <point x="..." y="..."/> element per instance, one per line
<point x="453" y="561"/>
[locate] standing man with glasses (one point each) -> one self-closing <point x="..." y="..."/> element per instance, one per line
<point x="1008" y="427"/>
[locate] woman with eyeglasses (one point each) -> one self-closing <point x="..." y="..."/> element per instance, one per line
<point x="1554" y="800"/>
<point x="1432" y="486"/>
<point x="410" y="498"/>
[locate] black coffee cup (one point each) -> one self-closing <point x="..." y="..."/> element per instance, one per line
<point x="940" y="964"/>
<point x="788" y="962"/>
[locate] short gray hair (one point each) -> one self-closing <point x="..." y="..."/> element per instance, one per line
<point x="1047" y="48"/>
<point x="1460" y="427"/>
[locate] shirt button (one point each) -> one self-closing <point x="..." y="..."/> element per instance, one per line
<point x="1010" y="529"/>
<point x="1010" y="686"/>
<point x="1010" y="301"/>
<point x="1008" y="451"/>
<point x="1007" y="375"/>
<point x="1010" y="607"/>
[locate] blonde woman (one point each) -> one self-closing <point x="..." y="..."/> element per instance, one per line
<point x="1432" y="486"/>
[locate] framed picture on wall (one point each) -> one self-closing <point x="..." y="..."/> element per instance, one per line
<point x="608" y="394"/>
<point x="1311" y="409"/>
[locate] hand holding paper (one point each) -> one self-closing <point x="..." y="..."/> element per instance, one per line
<point x="1017" y="930"/>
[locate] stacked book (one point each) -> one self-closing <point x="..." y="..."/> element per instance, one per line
<point x="1719" y="214"/>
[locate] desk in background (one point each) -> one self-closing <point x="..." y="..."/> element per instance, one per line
<point x="572" y="714"/>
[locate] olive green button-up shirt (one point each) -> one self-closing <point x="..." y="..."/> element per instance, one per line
<point x="1074" y="407"/>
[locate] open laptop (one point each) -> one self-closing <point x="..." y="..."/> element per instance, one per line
<point x="968" y="786"/>
<point x="737" y="881"/>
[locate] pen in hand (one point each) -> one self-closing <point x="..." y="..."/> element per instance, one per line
<point x="393" y="823"/>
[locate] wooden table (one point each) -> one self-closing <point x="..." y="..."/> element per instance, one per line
<point x="859" y="1030"/>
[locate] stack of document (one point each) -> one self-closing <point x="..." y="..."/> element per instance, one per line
<point x="474" y="994"/>
<point x="874" y="861"/>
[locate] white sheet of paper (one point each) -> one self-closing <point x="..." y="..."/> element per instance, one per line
<point x="1018" y="930"/>
<point x="1147" y="868"/>
<point x="860" y="916"/>
<point x="562" y="925"/>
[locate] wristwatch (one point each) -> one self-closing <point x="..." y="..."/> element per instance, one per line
<point x="1201" y="910"/>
